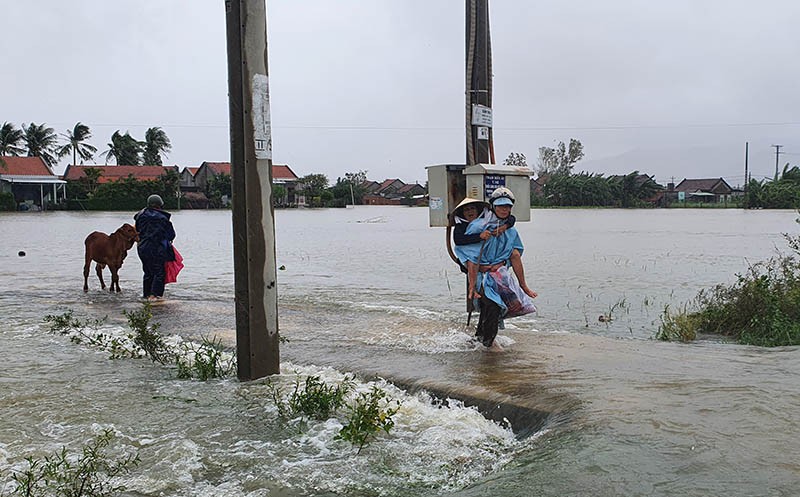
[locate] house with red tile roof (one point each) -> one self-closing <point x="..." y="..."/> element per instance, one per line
<point x="284" y="176"/>
<point x="110" y="174"/>
<point x="389" y="187"/>
<point x="31" y="182"/>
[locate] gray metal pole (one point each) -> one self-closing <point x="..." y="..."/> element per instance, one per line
<point x="255" y="272"/>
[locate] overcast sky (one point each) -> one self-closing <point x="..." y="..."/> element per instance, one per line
<point x="672" y="89"/>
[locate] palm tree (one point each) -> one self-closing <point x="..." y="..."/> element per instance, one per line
<point x="124" y="149"/>
<point x="10" y="137"/>
<point x="75" y="144"/>
<point x="156" y="143"/>
<point x="41" y="141"/>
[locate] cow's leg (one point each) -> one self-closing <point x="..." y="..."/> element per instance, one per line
<point x="114" y="278"/>
<point x="99" y="271"/>
<point x="86" y="267"/>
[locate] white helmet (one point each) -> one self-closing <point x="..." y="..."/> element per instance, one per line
<point x="502" y="192"/>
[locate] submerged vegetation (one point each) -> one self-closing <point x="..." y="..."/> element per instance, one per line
<point x="91" y="473"/>
<point x="202" y="361"/>
<point x="761" y="308"/>
<point x="363" y="414"/>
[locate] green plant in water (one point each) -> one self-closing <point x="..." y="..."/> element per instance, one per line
<point x="66" y="323"/>
<point x="312" y="398"/>
<point x="205" y="361"/>
<point x="761" y="308"/>
<point x="146" y="336"/>
<point x="90" y="474"/>
<point x="371" y="413"/>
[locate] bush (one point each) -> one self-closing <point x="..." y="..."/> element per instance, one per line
<point x="90" y="474"/>
<point x="202" y="361"/>
<point x="7" y="202"/>
<point x="371" y="413"/>
<point x="761" y="308"/>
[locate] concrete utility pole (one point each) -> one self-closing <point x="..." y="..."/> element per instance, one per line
<point x="255" y="273"/>
<point x="480" y="146"/>
<point x="777" y="155"/>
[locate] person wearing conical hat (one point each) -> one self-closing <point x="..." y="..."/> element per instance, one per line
<point x="492" y="244"/>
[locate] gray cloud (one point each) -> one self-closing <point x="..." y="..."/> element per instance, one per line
<point x="668" y="88"/>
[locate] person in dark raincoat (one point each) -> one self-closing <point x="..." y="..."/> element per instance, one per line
<point x="155" y="246"/>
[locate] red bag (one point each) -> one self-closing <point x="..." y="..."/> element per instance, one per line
<point x="172" y="268"/>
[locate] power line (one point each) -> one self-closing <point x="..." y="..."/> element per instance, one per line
<point x="609" y="127"/>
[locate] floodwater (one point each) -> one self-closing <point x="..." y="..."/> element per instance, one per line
<point x="595" y="408"/>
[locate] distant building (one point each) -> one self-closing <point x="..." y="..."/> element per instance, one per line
<point x="207" y="170"/>
<point x="32" y="183"/>
<point x="704" y="190"/>
<point x="393" y="192"/>
<point x="284" y="176"/>
<point x="188" y="183"/>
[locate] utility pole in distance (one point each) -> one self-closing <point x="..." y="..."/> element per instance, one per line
<point x="777" y="155"/>
<point x="746" y="172"/>
<point x="255" y="273"/>
<point x="480" y="146"/>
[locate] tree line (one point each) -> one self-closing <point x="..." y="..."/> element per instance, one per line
<point x="783" y="192"/>
<point x="557" y="186"/>
<point x="39" y="140"/>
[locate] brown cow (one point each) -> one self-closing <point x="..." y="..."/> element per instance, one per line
<point x="108" y="251"/>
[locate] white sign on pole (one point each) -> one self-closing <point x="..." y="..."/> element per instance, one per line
<point x="262" y="132"/>
<point x="483" y="133"/>
<point x="481" y="115"/>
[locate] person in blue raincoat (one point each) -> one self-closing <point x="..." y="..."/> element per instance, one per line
<point x="155" y="245"/>
<point x="500" y="295"/>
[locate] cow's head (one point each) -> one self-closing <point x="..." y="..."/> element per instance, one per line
<point x="128" y="234"/>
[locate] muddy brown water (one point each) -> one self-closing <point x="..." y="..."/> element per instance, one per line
<point x="594" y="408"/>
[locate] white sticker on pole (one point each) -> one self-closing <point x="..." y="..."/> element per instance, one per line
<point x="481" y="115"/>
<point x="262" y="133"/>
<point x="483" y="133"/>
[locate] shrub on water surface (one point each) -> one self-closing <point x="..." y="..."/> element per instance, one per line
<point x="364" y="416"/>
<point x="205" y="361"/>
<point x="371" y="413"/>
<point x="67" y="324"/>
<point x="312" y="398"/>
<point x="146" y="336"/>
<point x="761" y="308"/>
<point x="202" y="361"/>
<point x="90" y="473"/>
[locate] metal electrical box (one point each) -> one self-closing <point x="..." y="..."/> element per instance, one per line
<point x="483" y="179"/>
<point x="448" y="184"/>
<point x="446" y="188"/>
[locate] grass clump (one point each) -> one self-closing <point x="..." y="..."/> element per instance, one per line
<point x="761" y="308"/>
<point x="88" y="474"/>
<point x="678" y="326"/>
